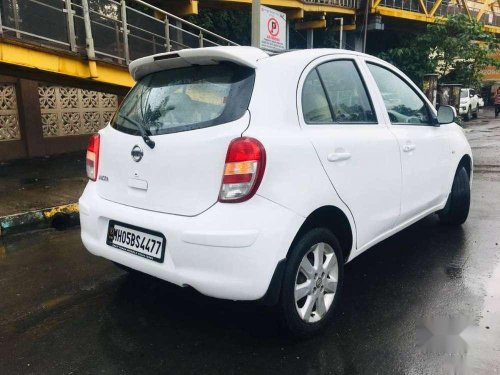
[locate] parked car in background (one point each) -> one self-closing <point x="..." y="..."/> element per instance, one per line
<point x="480" y="101"/>
<point x="469" y="103"/>
<point x="254" y="177"/>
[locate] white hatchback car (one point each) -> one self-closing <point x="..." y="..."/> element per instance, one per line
<point x="254" y="177"/>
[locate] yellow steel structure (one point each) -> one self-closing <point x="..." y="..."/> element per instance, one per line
<point x="315" y="24"/>
<point x="429" y="16"/>
<point x="289" y="4"/>
<point x="53" y="62"/>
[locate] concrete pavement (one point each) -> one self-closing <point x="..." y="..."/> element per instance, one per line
<point x="34" y="191"/>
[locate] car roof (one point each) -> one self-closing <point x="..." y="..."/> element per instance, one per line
<point x="241" y="55"/>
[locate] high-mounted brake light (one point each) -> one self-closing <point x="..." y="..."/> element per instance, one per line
<point x="93" y="156"/>
<point x="243" y="171"/>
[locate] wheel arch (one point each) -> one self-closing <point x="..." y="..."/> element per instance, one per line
<point x="333" y="219"/>
<point x="466" y="162"/>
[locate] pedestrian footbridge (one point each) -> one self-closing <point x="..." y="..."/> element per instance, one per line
<point x="96" y="39"/>
<point x="92" y="39"/>
<point x="63" y="63"/>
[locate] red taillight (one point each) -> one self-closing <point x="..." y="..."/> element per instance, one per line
<point x="93" y="156"/>
<point x="243" y="171"/>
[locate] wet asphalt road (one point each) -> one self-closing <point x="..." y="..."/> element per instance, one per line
<point x="63" y="311"/>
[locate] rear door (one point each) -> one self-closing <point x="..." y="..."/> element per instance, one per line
<point x="423" y="145"/>
<point x="192" y="114"/>
<point x="358" y="152"/>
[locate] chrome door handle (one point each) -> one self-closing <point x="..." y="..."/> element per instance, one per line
<point x="339" y="156"/>
<point x="409" y="147"/>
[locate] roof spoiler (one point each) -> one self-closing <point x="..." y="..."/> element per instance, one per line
<point x="245" y="56"/>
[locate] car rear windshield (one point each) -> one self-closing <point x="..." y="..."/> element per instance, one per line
<point x="184" y="99"/>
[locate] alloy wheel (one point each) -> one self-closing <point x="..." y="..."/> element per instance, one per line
<point x="316" y="282"/>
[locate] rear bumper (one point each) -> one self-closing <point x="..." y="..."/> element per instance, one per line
<point x="230" y="251"/>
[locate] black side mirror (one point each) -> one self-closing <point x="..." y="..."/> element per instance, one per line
<point x="446" y="114"/>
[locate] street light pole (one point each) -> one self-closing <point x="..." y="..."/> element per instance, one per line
<point x="256" y="23"/>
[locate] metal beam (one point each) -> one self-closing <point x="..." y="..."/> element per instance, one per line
<point x="295" y="14"/>
<point x="315" y="24"/>
<point x="435" y="7"/>
<point x="64" y="64"/>
<point x="350" y="27"/>
<point x="414" y="16"/>
<point x="375" y="4"/>
<point x="126" y="51"/>
<point x="88" y="30"/>
<point x="466" y="7"/>
<point x="71" y="25"/>
<point x="179" y="8"/>
<point x="293" y="4"/>
<point x="405" y="14"/>
<point x="484" y="7"/>
<point x="423" y="7"/>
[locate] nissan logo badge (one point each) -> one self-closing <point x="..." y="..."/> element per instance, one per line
<point x="137" y="153"/>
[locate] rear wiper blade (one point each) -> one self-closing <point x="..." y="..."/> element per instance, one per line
<point x="145" y="133"/>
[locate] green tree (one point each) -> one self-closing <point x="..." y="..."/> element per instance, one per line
<point x="457" y="49"/>
<point x="231" y="24"/>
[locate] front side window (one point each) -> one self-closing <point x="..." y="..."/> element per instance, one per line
<point x="334" y="93"/>
<point x="403" y="104"/>
<point x="183" y="99"/>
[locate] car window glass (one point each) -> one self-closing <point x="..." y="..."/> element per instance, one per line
<point x="403" y="104"/>
<point x="348" y="97"/>
<point x="314" y="102"/>
<point x="183" y="99"/>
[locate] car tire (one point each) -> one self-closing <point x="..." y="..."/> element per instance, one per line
<point x="311" y="321"/>
<point x="457" y="206"/>
<point x="468" y="115"/>
<point x="476" y="112"/>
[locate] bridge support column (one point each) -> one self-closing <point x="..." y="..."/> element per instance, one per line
<point x="354" y="41"/>
<point x="310" y="38"/>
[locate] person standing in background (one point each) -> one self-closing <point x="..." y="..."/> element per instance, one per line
<point x="497" y="102"/>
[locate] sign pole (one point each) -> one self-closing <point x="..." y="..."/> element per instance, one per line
<point x="341" y="31"/>
<point x="256" y="23"/>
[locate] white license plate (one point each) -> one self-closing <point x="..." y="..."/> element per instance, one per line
<point x="138" y="241"/>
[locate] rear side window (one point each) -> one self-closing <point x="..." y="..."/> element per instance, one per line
<point x="184" y="99"/>
<point x="334" y="92"/>
<point x="314" y="103"/>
